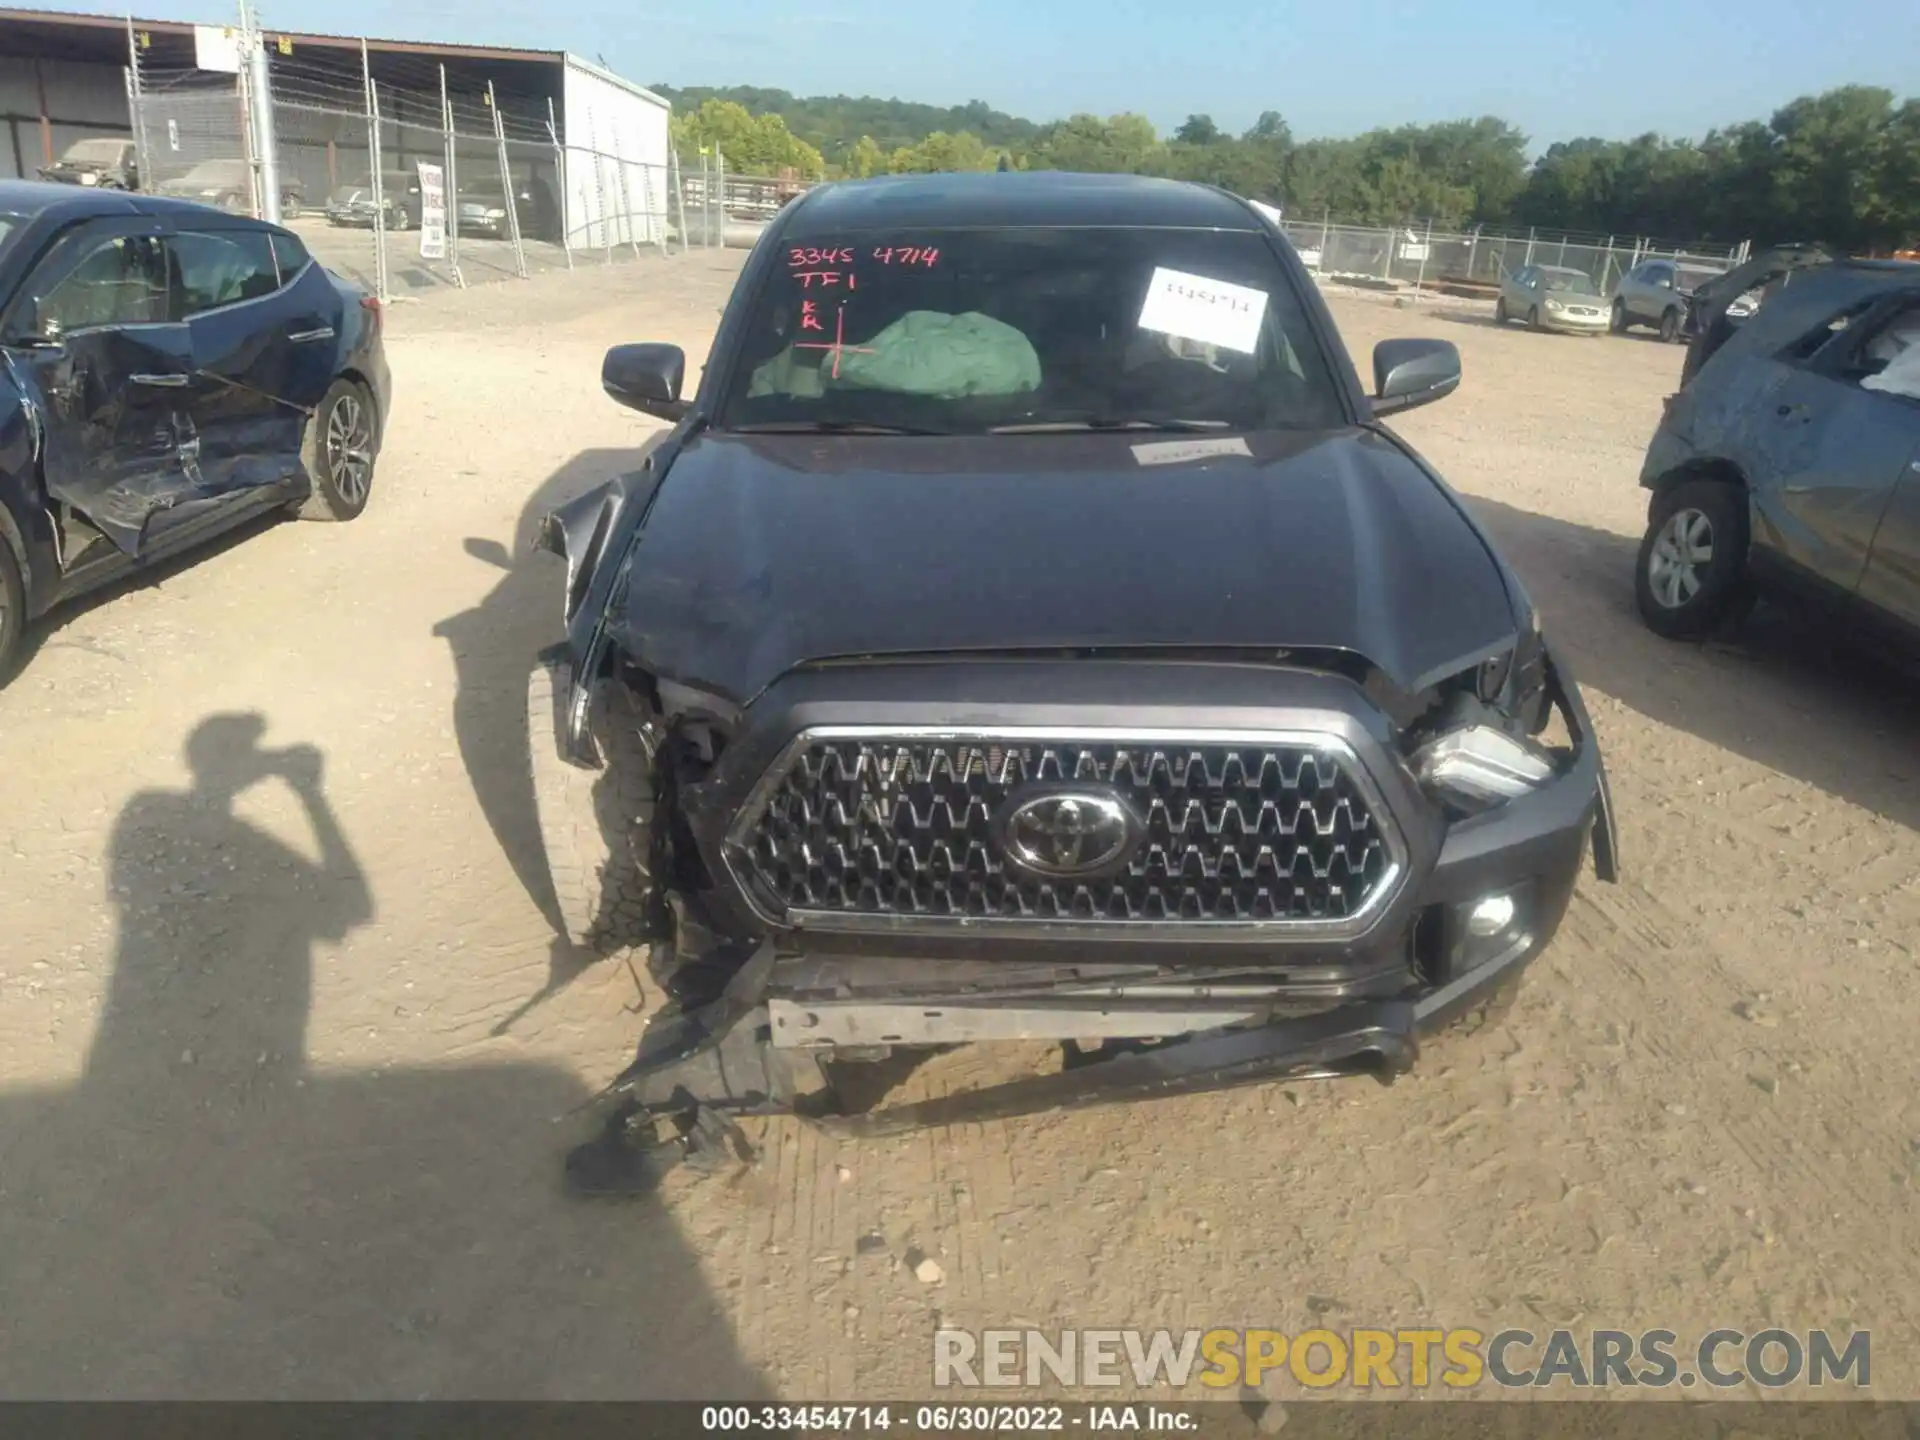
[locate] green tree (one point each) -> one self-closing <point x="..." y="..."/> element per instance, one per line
<point x="751" y="144"/>
<point x="866" y="158"/>
<point x="942" y="152"/>
<point x="1125" y="143"/>
<point x="1198" y="130"/>
<point x="1843" y="166"/>
<point x="1269" y="129"/>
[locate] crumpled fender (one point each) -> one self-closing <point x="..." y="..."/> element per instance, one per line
<point x="592" y="534"/>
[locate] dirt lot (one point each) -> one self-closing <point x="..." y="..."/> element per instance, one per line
<point x="285" y="1048"/>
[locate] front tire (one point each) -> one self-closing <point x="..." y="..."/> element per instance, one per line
<point x="338" y="452"/>
<point x="1691" y="574"/>
<point x="1500" y="311"/>
<point x="596" y="825"/>
<point x="1617" y="321"/>
<point x="1533" y="319"/>
<point x="13" y="612"/>
<point x="1670" y="324"/>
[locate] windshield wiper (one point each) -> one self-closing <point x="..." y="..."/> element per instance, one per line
<point x="1043" y="427"/>
<point x="831" y="427"/>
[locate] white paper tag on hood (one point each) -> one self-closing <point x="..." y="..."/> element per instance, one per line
<point x="1176" y="452"/>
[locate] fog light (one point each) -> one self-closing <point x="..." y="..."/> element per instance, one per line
<point x="1491" y="916"/>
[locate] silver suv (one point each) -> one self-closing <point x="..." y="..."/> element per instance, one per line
<point x="1658" y="293"/>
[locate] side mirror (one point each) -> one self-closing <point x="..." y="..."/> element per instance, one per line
<point x="1407" y="373"/>
<point x="646" y="378"/>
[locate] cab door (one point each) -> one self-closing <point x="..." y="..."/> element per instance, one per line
<point x="108" y="373"/>
<point x="262" y="352"/>
<point x="1832" y="459"/>
<point x="1890" y="374"/>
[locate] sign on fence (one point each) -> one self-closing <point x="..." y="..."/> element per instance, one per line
<point x="216" y="47"/>
<point x="433" y="212"/>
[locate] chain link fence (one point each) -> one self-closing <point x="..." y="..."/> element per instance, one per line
<point x="1421" y="255"/>
<point x="190" y="128"/>
<point x="348" y="150"/>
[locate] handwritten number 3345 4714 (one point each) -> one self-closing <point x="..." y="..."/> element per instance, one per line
<point x="802" y="257"/>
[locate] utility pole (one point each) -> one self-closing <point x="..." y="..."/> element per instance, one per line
<point x="266" y="154"/>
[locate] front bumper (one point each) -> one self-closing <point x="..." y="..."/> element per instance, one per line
<point x="358" y="215"/>
<point x="1576" y="324"/>
<point x="1242" y="1009"/>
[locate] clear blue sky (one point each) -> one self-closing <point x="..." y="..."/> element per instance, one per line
<point x="1556" y="68"/>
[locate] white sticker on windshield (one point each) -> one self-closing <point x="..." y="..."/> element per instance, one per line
<point x="1210" y="311"/>
<point x="1176" y="452"/>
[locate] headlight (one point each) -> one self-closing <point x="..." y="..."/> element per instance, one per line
<point x="1479" y="767"/>
<point x="496" y="214"/>
<point x="87" y="177"/>
<point x="1555" y="306"/>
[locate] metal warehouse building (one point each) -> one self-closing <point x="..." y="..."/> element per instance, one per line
<point x="588" y="153"/>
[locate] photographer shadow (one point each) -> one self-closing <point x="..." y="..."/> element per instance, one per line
<point x="207" y="1214"/>
<point x="494" y="645"/>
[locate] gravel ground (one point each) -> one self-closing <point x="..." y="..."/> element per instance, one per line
<point x="286" y="1051"/>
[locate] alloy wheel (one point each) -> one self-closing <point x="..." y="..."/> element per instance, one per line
<point x="349" y="450"/>
<point x="1681" y="554"/>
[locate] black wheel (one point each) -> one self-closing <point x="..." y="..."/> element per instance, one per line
<point x="596" y="825"/>
<point x="13" y="611"/>
<point x="1533" y="318"/>
<point x="1691" y="575"/>
<point x="341" y="445"/>
<point x="1500" y="311"/>
<point x="1617" y="321"/>
<point x="1670" y="324"/>
<point x="398" y="218"/>
<point x="290" y="207"/>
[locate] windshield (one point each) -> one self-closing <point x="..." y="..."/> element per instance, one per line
<point x="1576" y="282"/>
<point x="96" y="152"/>
<point x="217" y="172"/>
<point x="967" y="331"/>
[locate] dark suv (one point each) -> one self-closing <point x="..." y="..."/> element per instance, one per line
<point x="1790" y="458"/>
<point x="1029" y="632"/>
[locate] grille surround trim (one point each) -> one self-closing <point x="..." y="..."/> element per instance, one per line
<point x="735" y="847"/>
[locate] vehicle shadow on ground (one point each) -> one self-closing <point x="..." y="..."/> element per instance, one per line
<point x="494" y="645"/>
<point x="1784" y="690"/>
<point x="205" y="1214"/>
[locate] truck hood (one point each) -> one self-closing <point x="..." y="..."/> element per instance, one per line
<point x="760" y="553"/>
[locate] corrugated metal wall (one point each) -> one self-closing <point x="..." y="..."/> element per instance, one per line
<point x="82" y="100"/>
<point x="617" y="151"/>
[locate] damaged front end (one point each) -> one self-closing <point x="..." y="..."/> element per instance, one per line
<point x="1314" y="875"/>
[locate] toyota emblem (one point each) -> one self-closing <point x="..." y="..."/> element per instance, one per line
<point x="1068" y="832"/>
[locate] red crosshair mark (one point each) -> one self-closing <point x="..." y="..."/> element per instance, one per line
<point x="839" y="346"/>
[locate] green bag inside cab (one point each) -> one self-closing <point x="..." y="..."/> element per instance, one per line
<point x="924" y="352"/>
<point x="943" y="357"/>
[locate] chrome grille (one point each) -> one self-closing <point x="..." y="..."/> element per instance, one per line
<point x="1232" y="829"/>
